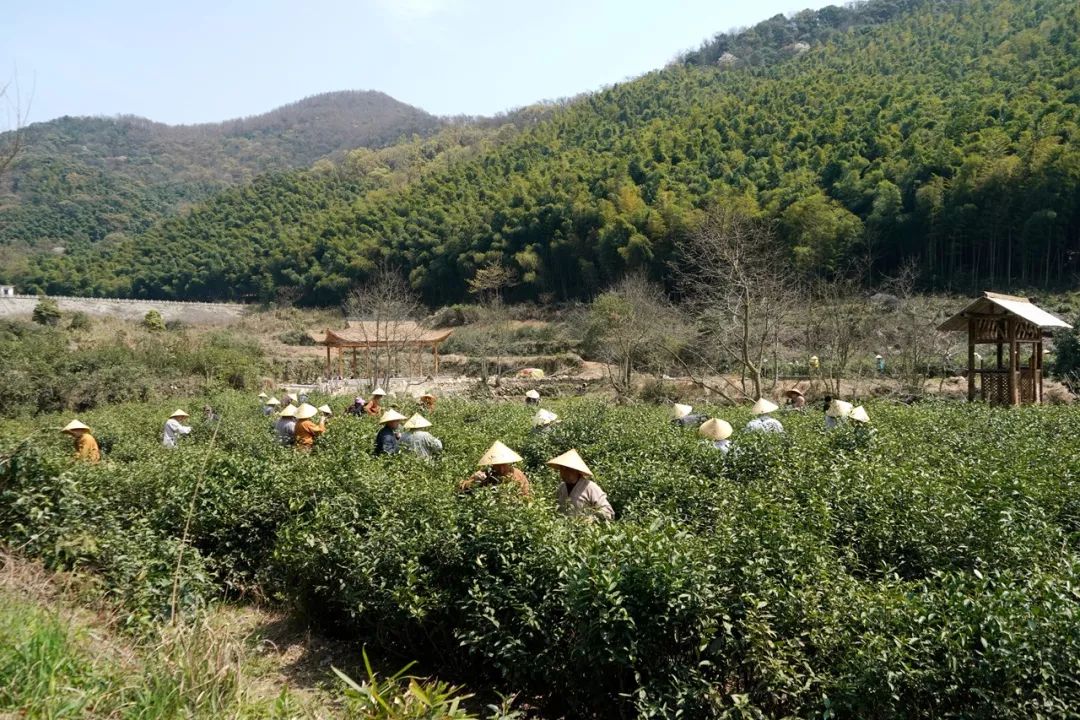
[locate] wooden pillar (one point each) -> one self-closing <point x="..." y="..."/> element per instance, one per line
<point x="1037" y="371"/>
<point x="355" y="372"/>
<point x="971" y="360"/>
<point x="435" y="356"/>
<point x="340" y="362"/>
<point x="1014" y="364"/>
<point x="329" y="370"/>
<point x="1000" y="358"/>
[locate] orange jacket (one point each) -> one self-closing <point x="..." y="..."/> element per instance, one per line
<point x="86" y="448"/>
<point x="306" y="432"/>
<point x="373" y="407"/>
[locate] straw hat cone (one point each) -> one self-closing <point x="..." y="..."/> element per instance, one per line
<point x="178" y="414"/>
<point x="763" y="407"/>
<point x="839" y="409"/>
<point x="292" y="397"/>
<point x="859" y="415"/>
<point x="378" y="391"/>
<point x="273" y="401"/>
<point x="417" y="422"/>
<point x="305" y="411"/>
<point x="288" y="411"/>
<point x="263" y="396"/>
<point x="715" y="429"/>
<point x="681" y="411"/>
<point x="544" y="418"/>
<point x="570" y="459"/>
<point x="325" y="410"/>
<point x="74" y="425"/>
<point x="498" y="454"/>
<point x="793" y="392"/>
<point x="532" y="395"/>
<point x="390" y="416"/>
<point x="426" y="396"/>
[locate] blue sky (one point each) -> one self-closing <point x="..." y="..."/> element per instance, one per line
<point x="200" y="60"/>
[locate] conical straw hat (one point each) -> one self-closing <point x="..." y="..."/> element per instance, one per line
<point x="793" y="392"/>
<point x="178" y="414"/>
<point x="378" y="391"/>
<point x="764" y="406"/>
<point x="681" y="411"/>
<point x="417" y="422"/>
<point x="570" y="459"/>
<point x="839" y="409"/>
<point x="325" y="410"/>
<point x="273" y="401"/>
<point x="263" y="396"/>
<point x="859" y="415"/>
<point x="74" y="425"/>
<point x="305" y="411"/>
<point x="715" y="429"/>
<point x="292" y="397"/>
<point x="289" y="411"/>
<point x="532" y="395"/>
<point x="498" y="454"/>
<point x="390" y="415"/>
<point x="544" y="418"/>
<point x="427" y="395"/>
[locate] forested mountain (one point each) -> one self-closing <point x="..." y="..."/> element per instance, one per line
<point x="941" y="131"/>
<point x="81" y="178"/>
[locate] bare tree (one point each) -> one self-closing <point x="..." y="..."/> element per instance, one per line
<point x="383" y="312"/>
<point x="839" y="324"/>
<point x="734" y="274"/>
<point x="633" y="326"/>
<point x="11" y="102"/>
<point x="921" y="345"/>
<point x="487" y="285"/>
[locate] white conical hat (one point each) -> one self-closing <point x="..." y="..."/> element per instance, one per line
<point x="378" y="391"/>
<point x="570" y="459"/>
<point x="273" y="401"/>
<point x="681" y="411"/>
<point x="325" y="410"/>
<point x="544" y="418"/>
<point x="292" y="397"/>
<point x="289" y="411"/>
<point x="390" y="415"/>
<point x="74" y="425"/>
<point x="263" y="396"/>
<point x="305" y="411"/>
<point x="859" y="415"/>
<point x="715" y="429"/>
<point x="498" y="454"/>
<point x="764" y="406"/>
<point x="178" y="413"/>
<point x="839" y="409"/>
<point x="532" y="395"/>
<point x="416" y="422"/>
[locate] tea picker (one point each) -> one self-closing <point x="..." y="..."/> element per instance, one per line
<point x="579" y="495"/>
<point x="175" y="428"/>
<point x="386" y="441"/>
<point x="763" y="421"/>
<point x="305" y="431"/>
<point x="418" y="440"/>
<point x="499" y="461"/>
<point x="86" y="447"/>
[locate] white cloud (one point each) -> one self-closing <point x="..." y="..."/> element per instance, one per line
<point x="415" y="9"/>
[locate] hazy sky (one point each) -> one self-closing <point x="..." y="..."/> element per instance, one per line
<point x="210" y="60"/>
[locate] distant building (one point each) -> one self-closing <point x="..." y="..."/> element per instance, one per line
<point x="7" y="291"/>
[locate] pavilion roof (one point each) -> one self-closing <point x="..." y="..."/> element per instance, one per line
<point x="996" y="304"/>
<point x="372" y="334"/>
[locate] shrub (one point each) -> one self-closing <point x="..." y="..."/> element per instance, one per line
<point x="46" y="312"/>
<point x="79" y="321"/>
<point x="153" y="321"/>
<point x="296" y="337"/>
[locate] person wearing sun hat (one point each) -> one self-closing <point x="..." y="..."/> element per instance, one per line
<point x="427" y="400"/>
<point x="325" y="413"/>
<point x="305" y="431"/>
<point x="386" y="441"/>
<point x="578" y="494"/>
<point x="499" y="461"/>
<point x="285" y="426"/>
<point x="684" y="416"/>
<point x="418" y="440"/>
<point x="263" y="397"/>
<point x="293" y="398"/>
<point x="357" y="407"/>
<point x="532" y="397"/>
<point x="86" y="447"/>
<point x="543" y="421"/>
<point x="763" y="421"/>
<point x="174" y="428"/>
<point x="836" y="412"/>
<point x="795" y="399"/>
<point x="271" y="406"/>
<point x="374" y="405"/>
<point x="716" y="432"/>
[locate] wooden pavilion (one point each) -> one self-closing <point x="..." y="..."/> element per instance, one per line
<point x="1010" y="323"/>
<point x="384" y="344"/>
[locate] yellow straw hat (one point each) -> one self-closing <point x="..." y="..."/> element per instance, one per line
<point x="263" y="396"/>
<point x="715" y="429"/>
<point x="570" y="459"/>
<point x="292" y="397"/>
<point x="681" y="411"/>
<point x="859" y="415"/>
<point x="178" y="414"/>
<point x="273" y="401"/>
<point x="325" y="410"/>
<point x="390" y="416"/>
<point x="378" y="391"/>
<point x="289" y="411"/>
<point x="417" y="422"/>
<point x="839" y="409"/>
<point x="498" y="454"/>
<point x="532" y="395"/>
<point x="305" y="411"/>
<point x="763" y="407"/>
<point x="74" y="425"/>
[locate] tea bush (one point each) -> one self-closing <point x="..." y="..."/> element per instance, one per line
<point x="927" y="569"/>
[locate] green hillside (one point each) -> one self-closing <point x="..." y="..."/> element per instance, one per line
<point x="942" y="131"/>
<point x="80" y="179"/>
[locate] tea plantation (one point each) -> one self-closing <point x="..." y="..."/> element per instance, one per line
<point x="929" y="570"/>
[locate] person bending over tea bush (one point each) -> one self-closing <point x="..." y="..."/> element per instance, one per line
<point x="578" y="494"/>
<point x="499" y="461"/>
